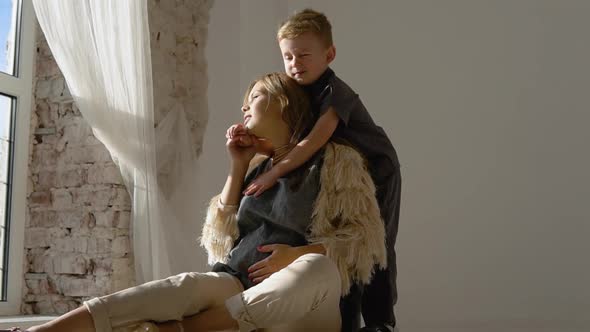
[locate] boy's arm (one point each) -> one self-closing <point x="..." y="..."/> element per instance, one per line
<point x="318" y="137"/>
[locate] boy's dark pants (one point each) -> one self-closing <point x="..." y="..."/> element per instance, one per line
<point x="376" y="300"/>
<point x="379" y="297"/>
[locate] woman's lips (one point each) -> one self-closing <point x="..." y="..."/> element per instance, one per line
<point x="246" y="119"/>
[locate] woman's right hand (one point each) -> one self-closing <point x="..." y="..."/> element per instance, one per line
<point x="240" y="145"/>
<point x="241" y="131"/>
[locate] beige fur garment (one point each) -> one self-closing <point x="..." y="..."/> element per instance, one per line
<point x="345" y="220"/>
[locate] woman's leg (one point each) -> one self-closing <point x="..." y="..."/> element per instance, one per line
<point x="214" y="319"/>
<point x="303" y="296"/>
<point x="161" y="300"/>
<point x="76" y="320"/>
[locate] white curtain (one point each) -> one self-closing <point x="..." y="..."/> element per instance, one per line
<point x="103" y="50"/>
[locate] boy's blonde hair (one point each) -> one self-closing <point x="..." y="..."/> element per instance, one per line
<point x="295" y="107"/>
<point x="307" y="20"/>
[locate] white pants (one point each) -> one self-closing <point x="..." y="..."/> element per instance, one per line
<point x="303" y="296"/>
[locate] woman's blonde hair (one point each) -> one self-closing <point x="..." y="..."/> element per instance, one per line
<point x="307" y="20"/>
<point x="295" y="107"/>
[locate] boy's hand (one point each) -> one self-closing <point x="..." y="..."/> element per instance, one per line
<point x="261" y="184"/>
<point x="241" y="132"/>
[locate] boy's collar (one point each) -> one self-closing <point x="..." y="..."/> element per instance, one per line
<point x="320" y="84"/>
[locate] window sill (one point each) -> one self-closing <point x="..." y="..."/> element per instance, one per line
<point x="24" y="321"/>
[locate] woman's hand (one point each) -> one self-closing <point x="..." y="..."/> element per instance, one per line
<point x="282" y="255"/>
<point x="240" y="145"/>
<point x="239" y="130"/>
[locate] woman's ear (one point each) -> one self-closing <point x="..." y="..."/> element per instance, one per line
<point x="331" y="55"/>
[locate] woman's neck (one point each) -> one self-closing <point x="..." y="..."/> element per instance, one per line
<point x="279" y="144"/>
<point x="281" y="152"/>
<point x="278" y="137"/>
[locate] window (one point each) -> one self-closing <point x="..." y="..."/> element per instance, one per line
<point x="6" y="116"/>
<point x="17" y="30"/>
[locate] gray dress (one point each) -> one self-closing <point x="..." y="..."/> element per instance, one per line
<point x="281" y="215"/>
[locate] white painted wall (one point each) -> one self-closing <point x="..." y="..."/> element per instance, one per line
<point x="238" y="31"/>
<point x="487" y="103"/>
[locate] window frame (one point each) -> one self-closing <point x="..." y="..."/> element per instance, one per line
<point x="21" y="87"/>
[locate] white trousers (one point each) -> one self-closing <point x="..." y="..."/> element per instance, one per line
<point x="304" y="296"/>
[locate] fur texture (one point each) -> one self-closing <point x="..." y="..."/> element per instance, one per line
<point x="219" y="231"/>
<point x="345" y="220"/>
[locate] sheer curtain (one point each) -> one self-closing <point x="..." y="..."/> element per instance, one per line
<point x="103" y="50"/>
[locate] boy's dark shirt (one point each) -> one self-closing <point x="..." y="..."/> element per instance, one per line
<point x="356" y="125"/>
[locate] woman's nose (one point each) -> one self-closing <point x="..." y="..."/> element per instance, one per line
<point x="245" y="108"/>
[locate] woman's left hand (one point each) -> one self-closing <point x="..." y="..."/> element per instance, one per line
<point x="282" y="255"/>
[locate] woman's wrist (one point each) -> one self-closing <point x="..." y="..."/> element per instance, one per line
<point x="238" y="167"/>
<point x="311" y="249"/>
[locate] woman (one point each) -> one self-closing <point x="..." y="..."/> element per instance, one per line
<point x="283" y="259"/>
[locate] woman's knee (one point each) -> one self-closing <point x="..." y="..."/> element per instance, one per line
<point x="319" y="268"/>
<point x="310" y="282"/>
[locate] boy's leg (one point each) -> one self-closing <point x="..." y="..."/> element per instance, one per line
<point x="350" y="309"/>
<point x="303" y="296"/>
<point x="380" y="296"/>
<point x="162" y="300"/>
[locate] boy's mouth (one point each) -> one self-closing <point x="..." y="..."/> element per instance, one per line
<point x="298" y="73"/>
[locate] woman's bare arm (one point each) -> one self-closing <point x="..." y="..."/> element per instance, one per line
<point x="312" y="249"/>
<point x="231" y="193"/>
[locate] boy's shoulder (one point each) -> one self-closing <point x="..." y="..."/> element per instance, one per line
<point x="330" y="91"/>
<point x="329" y="84"/>
<point x="342" y="87"/>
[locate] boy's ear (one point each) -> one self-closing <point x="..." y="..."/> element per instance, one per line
<point x="331" y="53"/>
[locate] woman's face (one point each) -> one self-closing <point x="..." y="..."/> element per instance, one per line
<point x="261" y="112"/>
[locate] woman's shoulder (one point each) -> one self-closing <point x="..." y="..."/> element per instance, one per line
<point x="259" y="160"/>
<point x="344" y="168"/>
<point x="257" y="165"/>
<point x="343" y="152"/>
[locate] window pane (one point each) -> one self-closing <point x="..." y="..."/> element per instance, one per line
<point x="4" y="149"/>
<point x="6" y="111"/>
<point x="9" y="15"/>
<point x="3" y="242"/>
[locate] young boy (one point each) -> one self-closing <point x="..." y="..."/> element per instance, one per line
<point x="305" y="40"/>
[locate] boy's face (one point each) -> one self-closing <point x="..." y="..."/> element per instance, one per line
<point x="305" y="57"/>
